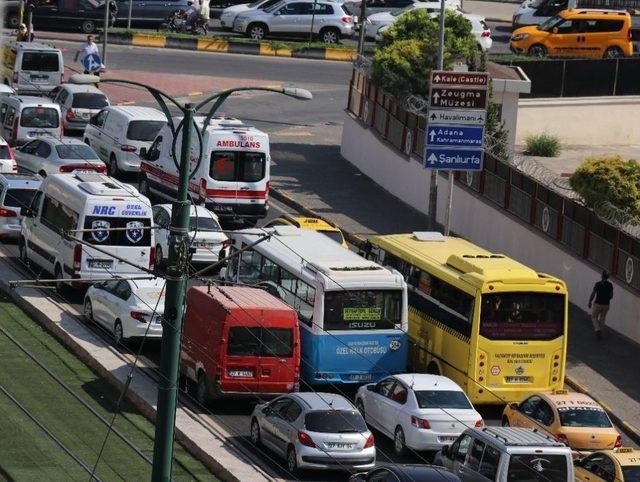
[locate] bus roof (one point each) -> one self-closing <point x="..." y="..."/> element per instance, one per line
<point x="459" y="258"/>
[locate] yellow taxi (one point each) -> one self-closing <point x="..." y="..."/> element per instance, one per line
<point x="315" y="224"/>
<point x="573" y="418"/>
<point x="577" y="33"/>
<point x="620" y="465"/>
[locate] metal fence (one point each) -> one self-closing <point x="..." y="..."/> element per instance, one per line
<point x="510" y="187"/>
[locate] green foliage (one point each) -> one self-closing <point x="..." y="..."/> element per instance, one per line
<point x="409" y="51"/>
<point x="496" y="132"/>
<point x="611" y="179"/>
<point x="543" y="145"/>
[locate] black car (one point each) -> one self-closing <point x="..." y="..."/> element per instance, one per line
<point x="406" y="473"/>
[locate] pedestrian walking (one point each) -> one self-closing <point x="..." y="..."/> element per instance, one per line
<point x="599" y="303"/>
<point x="23" y="34"/>
<point x="88" y="48"/>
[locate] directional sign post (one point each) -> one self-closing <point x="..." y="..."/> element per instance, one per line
<point x="455" y="125"/>
<point x="92" y="63"/>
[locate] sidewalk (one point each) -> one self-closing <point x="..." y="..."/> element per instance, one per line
<point x="312" y="172"/>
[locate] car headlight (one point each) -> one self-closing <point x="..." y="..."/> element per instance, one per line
<point x="518" y="37"/>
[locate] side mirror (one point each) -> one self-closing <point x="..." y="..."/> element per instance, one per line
<point x="143" y="153"/>
<point x="554" y="30"/>
<point x="26" y="212"/>
<point x="371" y="387"/>
<point x="514" y="406"/>
<point x="445" y="451"/>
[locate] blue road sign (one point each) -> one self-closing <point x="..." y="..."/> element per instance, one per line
<point x="454" y="136"/>
<point x="453" y="159"/>
<point x="92" y="63"/>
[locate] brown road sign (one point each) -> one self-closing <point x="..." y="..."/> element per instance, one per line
<point x="458" y="98"/>
<point x="459" y="79"/>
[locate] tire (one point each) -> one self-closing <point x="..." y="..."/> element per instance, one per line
<point x="292" y="460"/>
<point x="360" y="407"/>
<point x="538" y="50"/>
<point x="330" y="36"/>
<point x="255" y="433"/>
<point x="257" y="31"/>
<point x="143" y="186"/>
<point x="22" y="250"/>
<point x="88" y="310"/>
<point x="203" y="390"/>
<point x="61" y="286"/>
<point x="159" y="257"/>
<point x="113" y="169"/>
<point x="118" y="334"/>
<point x="505" y="422"/>
<point x="433" y="369"/>
<point x="399" y="442"/>
<point x="613" y="53"/>
<point x="88" y="26"/>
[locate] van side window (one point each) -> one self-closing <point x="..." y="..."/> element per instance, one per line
<point x="606" y="26"/>
<point x="153" y="154"/>
<point x="566" y="27"/>
<point x="460" y="450"/>
<point x="35" y="201"/>
<point x="57" y="216"/>
<point x="490" y="461"/>
<point x="11" y="114"/>
<point x="99" y="118"/>
<point x="475" y="455"/>
<point x="292" y="412"/>
<point x="3" y="112"/>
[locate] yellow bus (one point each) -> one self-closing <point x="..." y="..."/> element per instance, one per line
<point x="495" y="326"/>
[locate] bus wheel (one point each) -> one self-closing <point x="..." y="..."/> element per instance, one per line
<point x="505" y="422"/>
<point x="433" y="369"/>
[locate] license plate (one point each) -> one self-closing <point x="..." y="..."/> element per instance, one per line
<point x="84" y="171"/>
<point x="37" y="134"/>
<point x="517" y="379"/>
<point x="446" y="440"/>
<point x="157" y="320"/>
<point x="361" y="376"/>
<point x="241" y="373"/>
<point x="100" y="263"/>
<point x="339" y="445"/>
<point x="222" y="208"/>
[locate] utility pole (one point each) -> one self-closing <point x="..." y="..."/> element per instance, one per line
<point x="107" y="5"/>
<point x="174" y="312"/>
<point x="130" y="12"/>
<point x="30" y="8"/>
<point x="20" y="12"/>
<point x="362" y="21"/>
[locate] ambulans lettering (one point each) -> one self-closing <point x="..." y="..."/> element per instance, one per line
<point x="104" y="210"/>
<point x="247" y="144"/>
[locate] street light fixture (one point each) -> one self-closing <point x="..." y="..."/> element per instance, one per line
<point x="175" y="271"/>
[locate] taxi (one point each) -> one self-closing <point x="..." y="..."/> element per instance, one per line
<point x="315" y="224"/>
<point x="621" y="464"/>
<point x="572" y="418"/>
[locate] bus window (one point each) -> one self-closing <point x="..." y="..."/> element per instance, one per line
<point x="362" y="309"/>
<point x="522" y="316"/>
<point x="250" y="262"/>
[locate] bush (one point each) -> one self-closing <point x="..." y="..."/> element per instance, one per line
<point x="543" y="145"/>
<point x="611" y="179"/>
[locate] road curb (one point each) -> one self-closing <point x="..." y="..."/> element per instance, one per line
<point x="229" y="46"/>
<point x="632" y="432"/>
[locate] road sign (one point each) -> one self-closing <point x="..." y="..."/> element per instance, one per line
<point x="471" y="79"/>
<point x="458" y="117"/>
<point x="92" y="63"/>
<point x="454" y="136"/>
<point x="453" y="159"/>
<point x="458" y="98"/>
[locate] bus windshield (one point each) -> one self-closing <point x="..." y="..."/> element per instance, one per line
<point x="362" y="309"/>
<point x="522" y="316"/>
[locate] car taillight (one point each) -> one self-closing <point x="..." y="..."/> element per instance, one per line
<point x="15" y="77"/>
<point x="479" y="424"/>
<point x="77" y="257"/>
<point x="67" y="168"/>
<point x="562" y="438"/>
<point x="347" y="19"/>
<point x="7" y="213"/>
<point x="486" y="33"/>
<point x="152" y="257"/>
<point x="618" y="442"/>
<point x="101" y="169"/>
<point x="305" y="439"/>
<point x="420" y="423"/>
<point x="128" y="148"/>
<point x="369" y="442"/>
<point x="70" y="115"/>
<point x="140" y="316"/>
<point x="14" y="133"/>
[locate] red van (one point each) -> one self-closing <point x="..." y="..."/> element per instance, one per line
<point x="239" y="341"/>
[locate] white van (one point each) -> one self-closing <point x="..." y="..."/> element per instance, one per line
<point x="31" y="67"/>
<point x="233" y="177"/>
<point x="24" y="118"/>
<point x="117" y="133"/>
<point x="535" y="12"/>
<point x="97" y="203"/>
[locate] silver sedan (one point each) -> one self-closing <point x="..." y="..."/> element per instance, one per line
<point x="48" y="155"/>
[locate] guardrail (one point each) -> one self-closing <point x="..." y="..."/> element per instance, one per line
<point x="562" y="220"/>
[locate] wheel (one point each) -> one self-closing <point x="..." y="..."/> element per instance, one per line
<point x="399" y="442"/>
<point x="118" y="335"/>
<point x="433" y="369"/>
<point x="257" y="31"/>
<point x="255" y="433"/>
<point x="505" y="422"/>
<point x="360" y="407"/>
<point x="292" y="460"/>
<point x="88" y="310"/>
<point x="88" y="26"/>
<point x="159" y="257"/>
<point x="61" y="286"/>
<point x="22" y="249"/>
<point x="538" y="51"/>
<point x="114" y="170"/>
<point x="330" y="35"/>
<point x="613" y="53"/>
<point x="203" y="392"/>
<point x="143" y="186"/>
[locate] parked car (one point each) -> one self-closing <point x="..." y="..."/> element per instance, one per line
<point x="127" y="308"/>
<point x="78" y="103"/>
<point x="330" y="21"/>
<point x="315" y="224"/>
<point x="406" y="473"/>
<point x="205" y="233"/>
<point x="48" y="155"/>
<point x="228" y="15"/>
<point x="149" y="14"/>
<point x="385" y="18"/>
<point x="32" y="67"/>
<point x="7" y="158"/>
<point x="573" y="418"/>
<point x="417" y="410"/>
<point x="117" y="133"/>
<point x="619" y="465"/>
<point x="24" y="118"/>
<point x="16" y="192"/>
<point x="313" y="430"/>
<point x="506" y="454"/>
<point x="86" y="15"/>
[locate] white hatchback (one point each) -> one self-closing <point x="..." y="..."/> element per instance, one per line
<point x="418" y="411"/>
<point x="127" y="308"/>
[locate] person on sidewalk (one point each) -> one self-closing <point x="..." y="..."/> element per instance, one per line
<point x="88" y="48"/>
<point x="599" y="303"/>
<point x="23" y="34"/>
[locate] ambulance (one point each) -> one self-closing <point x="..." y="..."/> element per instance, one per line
<point x="233" y="178"/>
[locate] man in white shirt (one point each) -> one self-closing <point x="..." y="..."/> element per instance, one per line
<point x="88" y="48"/>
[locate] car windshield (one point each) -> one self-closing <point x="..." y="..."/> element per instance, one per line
<point x="43" y="117"/>
<point x="144" y="130"/>
<point x="203" y="222"/>
<point x="335" y="421"/>
<point x="548" y="24"/>
<point x="86" y="100"/>
<point x="5" y="152"/>
<point x="631" y="473"/>
<point x="40" y="61"/>
<point x="76" y="151"/>
<point x="442" y="399"/>
<point x="335" y="235"/>
<point x="583" y="417"/>
<point x="18" y="198"/>
<point x="272" y="8"/>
